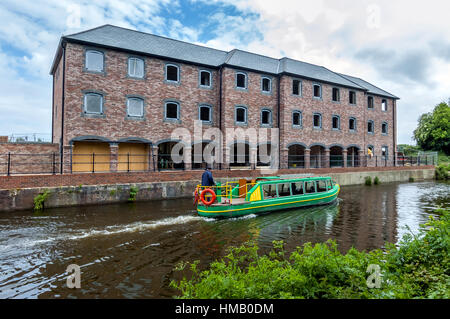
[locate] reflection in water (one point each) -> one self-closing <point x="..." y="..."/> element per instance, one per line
<point x="130" y="250"/>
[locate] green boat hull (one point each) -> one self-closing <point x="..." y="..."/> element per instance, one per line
<point x="270" y="205"/>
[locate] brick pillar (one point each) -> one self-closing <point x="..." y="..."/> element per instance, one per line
<point x="114" y="157"/>
<point x="253" y="157"/>
<point x="327" y="158"/>
<point x="187" y="158"/>
<point x="226" y="158"/>
<point x="284" y="158"/>
<point x="153" y="158"/>
<point x="67" y="159"/>
<point x="344" y="155"/>
<point x="307" y="158"/>
<point x="361" y="157"/>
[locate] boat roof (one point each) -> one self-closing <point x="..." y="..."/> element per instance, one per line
<point x="280" y="180"/>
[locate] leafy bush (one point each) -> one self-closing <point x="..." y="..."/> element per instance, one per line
<point x="40" y="199"/>
<point x="376" y="180"/>
<point x="441" y="172"/>
<point x="418" y="268"/>
<point x="133" y="193"/>
<point x="368" y="181"/>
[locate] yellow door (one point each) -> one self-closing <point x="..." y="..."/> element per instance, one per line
<point x="91" y="156"/>
<point x="133" y="157"/>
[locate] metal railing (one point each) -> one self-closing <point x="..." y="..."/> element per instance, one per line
<point x="50" y="163"/>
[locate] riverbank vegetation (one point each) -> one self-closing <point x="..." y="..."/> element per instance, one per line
<point x="418" y="267"/>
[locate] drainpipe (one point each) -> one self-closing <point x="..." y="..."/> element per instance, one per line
<point x="279" y="120"/>
<point x="61" y="148"/>
<point x="220" y="115"/>
<point x="394" y="133"/>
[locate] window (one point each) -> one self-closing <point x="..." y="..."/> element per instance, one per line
<point x="135" y="107"/>
<point x="370" y="128"/>
<point x="336" y="122"/>
<point x="94" y="61"/>
<point x="321" y="186"/>
<point x="241" y="115"/>
<point x="384" y="152"/>
<point x="352" y="124"/>
<point x="205" y="78"/>
<point x="384" y="105"/>
<point x="266" y="85"/>
<point x="317" y="120"/>
<point x="297" y="118"/>
<point x="266" y="117"/>
<point x="310" y="187"/>
<point x="93" y="103"/>
<point x="172" y="73"/>
<point x="205" y="113"/>
<point x="317" y="91"/>
<point x="352" y="97"/>
<point x="136" y="67"/>
<point x="370" y="102"/>
<point x="172" y="111"/>
<point x="297" y="188"/>
<point x="269" y="191"/>
<point x="336" y="95"/>
<point x="296" y="87"/>
<point x="241" y="80"/>
<point x="384" y="128"/>
<point x="284" y="189"/>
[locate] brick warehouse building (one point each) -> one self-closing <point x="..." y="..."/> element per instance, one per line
<point x="118" y="94"/>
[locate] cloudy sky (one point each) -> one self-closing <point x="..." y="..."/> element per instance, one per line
<point x="401" y="46"/>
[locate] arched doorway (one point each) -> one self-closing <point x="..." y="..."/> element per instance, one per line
<point x="336" y="156"/>
<point x="353" y="159"/>
<point x="318" y="156"/>
<point x="203" y="153"/>
<point x="296" y="156"/>
<point x="264" y="152"/>
<point x="239" y="155"/>
<point x="170" y="158"/>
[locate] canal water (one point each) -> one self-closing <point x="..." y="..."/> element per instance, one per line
<point x="130" y="250"/>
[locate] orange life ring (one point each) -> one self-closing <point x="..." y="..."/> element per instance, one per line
<point x="213" y="196"/>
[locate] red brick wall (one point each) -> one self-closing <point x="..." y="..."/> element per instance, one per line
<point x="116" y="85"/>
<point x="28" y="158"/>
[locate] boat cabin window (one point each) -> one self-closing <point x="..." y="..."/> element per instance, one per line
<point x="297" y="188"/>
<point x="269" y="191"/>
<point x="321" y="186"/>
<point x="284" y="190"/>
<point x="310" y="187"/>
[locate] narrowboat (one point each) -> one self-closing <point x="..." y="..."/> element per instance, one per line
<point x="263" y="195"/>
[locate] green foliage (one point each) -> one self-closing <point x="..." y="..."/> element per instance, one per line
<point x="418" y="268"/>
<point x="442" y="172"/>
<point x="376" y="180"/>
<point x="40" y="199"/>
<point x="368" y="181"/>
<point x="411" y="179"/>
<point x="133" y="193"/>
<point x="433" y="131"/>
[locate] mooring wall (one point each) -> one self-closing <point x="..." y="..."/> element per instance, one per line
<point x="71" y="190"/>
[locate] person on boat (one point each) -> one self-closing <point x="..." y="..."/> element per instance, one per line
<point x="207" y="177"/>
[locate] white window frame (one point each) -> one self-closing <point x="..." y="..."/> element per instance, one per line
<point x="86" y="64"/>
<point x="200" y="79"/>
<point x="135" y="64"/>
<point x="85" y="102"/>
<point x="210" y="113"/>
<point x="128" y="106"/>
<point x="166" y="73"/>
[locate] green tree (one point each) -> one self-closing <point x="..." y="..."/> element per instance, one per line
<point x="433" y="132"/>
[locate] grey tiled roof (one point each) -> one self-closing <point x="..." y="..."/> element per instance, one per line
<point x="117" y="37"/>
<point x="372" y="89"/>
<point x="315" y="72"/>
<point x="145" y="43"/>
